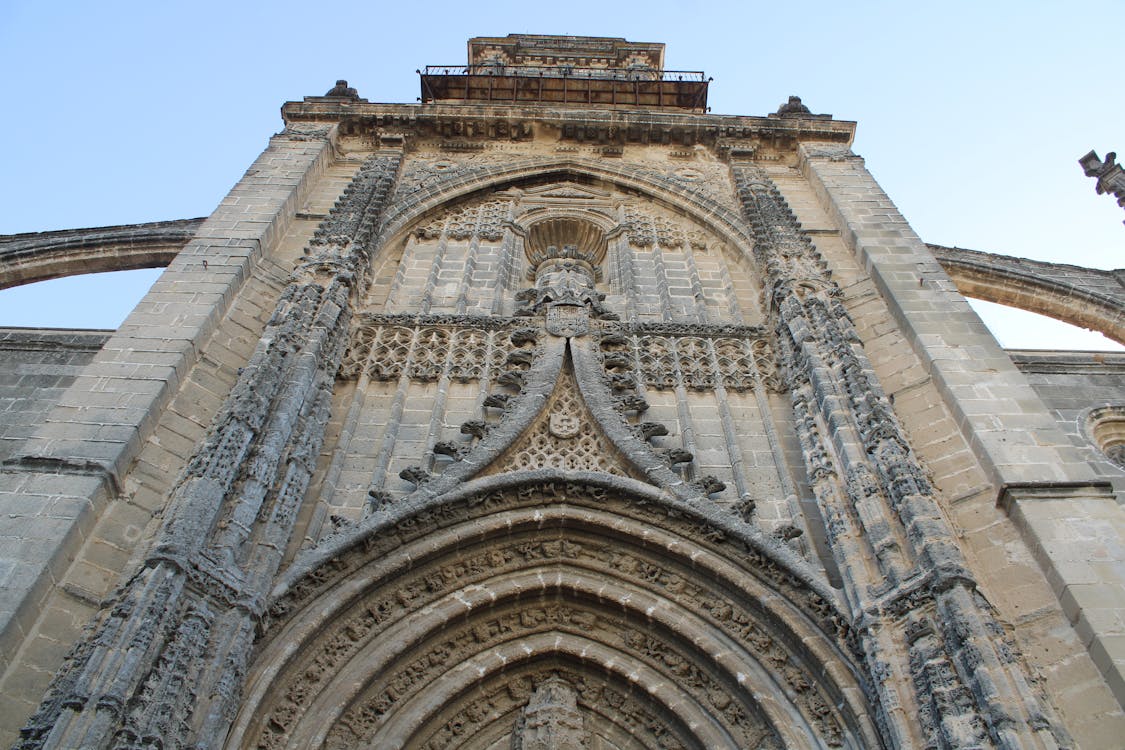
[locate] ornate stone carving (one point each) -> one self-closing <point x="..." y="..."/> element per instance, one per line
<point x="707" y="180"/>
<point x="550" y="720"/>
<point x="342" y="89"/>
<point x="473" y="566"/>
<point x="1110" y="175"/>
<point x="306" y="131"/>
<point x="645" y="229"/>
<point x="483" y="220"/>
<point x="427" y="347"/>
<point x="957" y="690"/>
<point x="431" y="171"/>
<point x="793" y="107"/>
<point x="565" y="436"/>
<point x="664" y="361"/>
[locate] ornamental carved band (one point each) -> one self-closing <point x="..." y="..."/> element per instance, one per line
<point x="912" y="598"/>
<point x="167" y="655"/>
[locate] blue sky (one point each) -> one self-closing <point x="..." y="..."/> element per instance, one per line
<point x="971" y="115"/>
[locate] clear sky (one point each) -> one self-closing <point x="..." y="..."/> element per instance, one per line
<point x="972" y="115"/>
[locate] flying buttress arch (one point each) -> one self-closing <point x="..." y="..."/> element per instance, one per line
<point x="1086" y="297"/>
<point x="39" y="256"/>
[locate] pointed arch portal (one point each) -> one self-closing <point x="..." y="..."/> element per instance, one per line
<point x="433" y="628"/>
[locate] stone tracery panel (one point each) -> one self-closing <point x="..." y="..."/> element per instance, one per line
<point x="458" y="260"/>
<point x="666" y="355"/>
<point x="426" y="348"/>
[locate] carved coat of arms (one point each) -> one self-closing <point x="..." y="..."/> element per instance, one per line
<point x="568" y="320"/>
<point x="564" y="425"/>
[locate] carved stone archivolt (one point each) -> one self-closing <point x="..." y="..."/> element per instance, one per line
<point x="502" y="591"/>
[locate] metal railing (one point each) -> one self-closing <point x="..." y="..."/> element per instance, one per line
<point x="566" y="71"/>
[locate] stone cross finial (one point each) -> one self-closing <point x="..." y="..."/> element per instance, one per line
<point x="1110" y="175"/>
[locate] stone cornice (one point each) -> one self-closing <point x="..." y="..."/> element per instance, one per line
<point x="569" y="123"/>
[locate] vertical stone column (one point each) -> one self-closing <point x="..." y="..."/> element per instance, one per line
<point x="1067" y="516"/>
<point x="929" y="641"/>
<point x="55" y="484"/>
<point x="165" y="660"/>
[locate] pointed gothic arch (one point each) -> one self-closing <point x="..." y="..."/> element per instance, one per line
<point x="387" y="637"/>
<point x="661" y="188"/>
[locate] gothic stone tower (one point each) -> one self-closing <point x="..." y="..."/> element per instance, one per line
<point x="554" y="412"/>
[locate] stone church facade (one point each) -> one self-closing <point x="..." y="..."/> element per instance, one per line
<point x="556" y="412"/>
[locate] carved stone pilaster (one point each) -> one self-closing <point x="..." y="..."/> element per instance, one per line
<point x="896" y="552"/>
<point x="163" y="665"/>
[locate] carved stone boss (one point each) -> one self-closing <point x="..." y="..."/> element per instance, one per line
<point x="163" y="664"/>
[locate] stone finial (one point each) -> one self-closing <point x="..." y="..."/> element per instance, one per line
<point x="793" y="107"/>
<point x="1109" y="174"/>
<point x="343" y="90"/>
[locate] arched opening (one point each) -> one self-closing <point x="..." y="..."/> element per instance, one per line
<point x="1016" y="328"/>
<point x="85" y="301"/>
